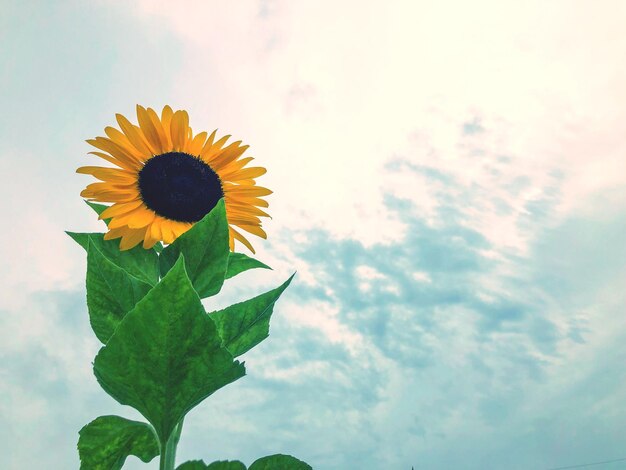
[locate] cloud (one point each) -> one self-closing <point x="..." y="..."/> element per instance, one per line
<point x="49" y="389"/>
<point x="325" y="99"/>
<point x="464" y="375"/>
<point x="449" y="189"/>
<point x="68" y="70"/>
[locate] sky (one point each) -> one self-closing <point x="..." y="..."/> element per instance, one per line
<point x="449" y="184"/>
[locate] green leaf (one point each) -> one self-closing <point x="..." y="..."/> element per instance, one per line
<point x="271" y="462"/>
<point x="244" y="325"/>
<point x="220" y="465"/>
<point x="226" y="465"/>
<point x="105" y="443"/>
<point x="111" y="293"/>
<point x="205" y="247"/>
<point x="165" y="357"/>
<point x="99" y="209"/>
<point x="141" y="263"/>
<point x="238" y="263"/>
<point x="279" y="462"/>
<point x="192" y="465"/>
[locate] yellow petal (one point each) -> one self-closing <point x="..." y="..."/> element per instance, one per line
<point x="188" y="140"/>
<point x="110" y="187"/>
<point x="141" y="219"/>
<point x="113" y="160"/>
<point x="131" y="239"/>
<point x="242" y="239"/>
<point x="210" y="150"/>
<point x="253" y="229"/>
<point x="244" y="174"/>
<point x="111" y="175"/>
<point x="246" y="190"/>
<point x="120" y="139"/>
<point x="163" y="135"/>
<point x="148" y="240"/>
<point x="115" y="233"/>
<point x="195" y="147"/>
<point x="178" y="130"/>
<point x="227" y="155"/>
<point x="243" y="218"/>
<point x="210" y="140"/>
<point x="149" y="130"/>
<point x="221" y="142"/>
<point x="167" y="233"/>
<point x="236" y="165"/>
<point x="246" y="182"/>
<point x="239" y="218"/>
<point x="245" y="208"/>
<point x="134" y="135"/>
<point x="129" y="217"/>
<point x="155" y="228"/>
<point x="242" y="199"/>
<point x="179" y="227"/>
<point x="166" y="120"/>
<point x="119" y="209"/>
<point x="115" y="150"/>
<point x="111" y="196"/>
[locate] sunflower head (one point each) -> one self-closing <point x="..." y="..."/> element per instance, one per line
<point x="165" y="179"/>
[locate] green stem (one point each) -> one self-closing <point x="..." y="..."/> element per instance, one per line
<point x="168" y="449"/>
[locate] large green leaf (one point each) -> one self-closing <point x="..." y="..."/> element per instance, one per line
<point x="279" y="462"/>
<point x="238" y="263"/>
<point x="220" y="465"/>
<point x="226" y="465"/>
<point x="165" y="357"/>
<point x="192" y="465"/>
<point x="141" y="263"/>
<point x="105" y="443"/>
<point x="111" y="293"/>
<point x="205" y="248"/>
<point x="244" y="325"/>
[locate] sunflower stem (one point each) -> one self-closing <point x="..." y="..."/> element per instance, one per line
<point x="168" y="449"/>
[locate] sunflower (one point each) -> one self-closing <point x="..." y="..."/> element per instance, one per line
<point x="166" y="179"/>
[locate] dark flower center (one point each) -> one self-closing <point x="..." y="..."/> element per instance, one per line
<point x="179" y="186"/>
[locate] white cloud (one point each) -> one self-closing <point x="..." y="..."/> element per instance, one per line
<point x="325" y="99"/>
<point x="323" y="316"/>
<point x="35" y="251"/>
<point x="421" y="276"/>
<point x="517" y="104"/>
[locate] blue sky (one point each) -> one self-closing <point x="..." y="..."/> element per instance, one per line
<point x="449" y="187"/>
